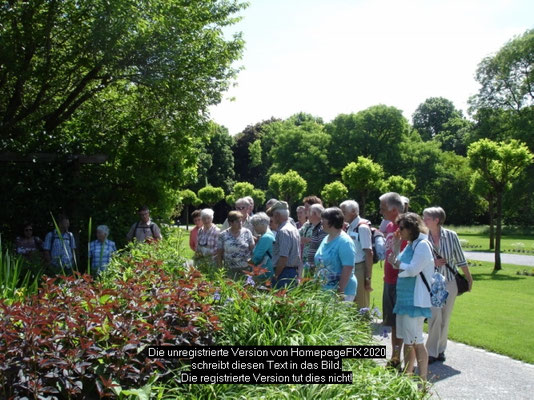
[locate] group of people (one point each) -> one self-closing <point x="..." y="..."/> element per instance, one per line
<point x="335" y="246"/>
<point x="58" y="250"/>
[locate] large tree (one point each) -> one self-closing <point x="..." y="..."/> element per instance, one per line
<point x="130" y="79"/>
<point x="289" y="187"/>
<point x="500" y="164"/>
<point x="362" y="178"/>
<point x="431" y="116"/>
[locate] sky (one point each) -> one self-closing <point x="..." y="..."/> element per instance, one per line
<point x="331" y="57"/>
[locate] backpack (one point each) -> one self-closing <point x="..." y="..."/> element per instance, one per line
<point x="378" y="242"/>
<point x="438" y="289"/>
<point x="151" y="226"/>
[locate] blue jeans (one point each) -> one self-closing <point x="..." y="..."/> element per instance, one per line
<point x="288" y="278"/>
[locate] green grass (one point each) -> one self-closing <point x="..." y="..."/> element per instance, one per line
<point x="496" y="315"/>
<point x="513" y="240"/>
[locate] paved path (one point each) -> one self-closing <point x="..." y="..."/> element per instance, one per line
<point x="471" y="373"/>
<point x="516" y="259"/>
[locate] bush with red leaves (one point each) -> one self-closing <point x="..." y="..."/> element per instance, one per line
<point x="76" y="336"/>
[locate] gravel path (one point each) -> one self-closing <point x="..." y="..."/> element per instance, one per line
<point x="516" y="259"/>
<point x="472" y="373"/>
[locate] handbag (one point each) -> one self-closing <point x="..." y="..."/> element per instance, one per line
<point x="461" y="282"/>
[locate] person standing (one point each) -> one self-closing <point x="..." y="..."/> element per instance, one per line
<point x="208" y="237"/>
<point x="448" y="256"/>
<point x="391" y="206"/>
<point x="235" y="246"/>
<point x="412" y="306"/>
<point x="60" y="251"/>
<point x="144" y="228"/>
<point x="193" y="236"/>
<point x="28" y="245"/>
<point x="101" y="250"/>
<point x="360" y="233"/>
<point x="286" y="248"/>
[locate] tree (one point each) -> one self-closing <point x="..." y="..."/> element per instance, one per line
<point x="398" y="184"/>
<point x="500" y="164"/>
<point x="188" y="198"/>
<point x="301" y="148"/>
<point x="375" y="133"/>
<point x="362" y="177"/>
<point x="507" y="78"/>
<point x="130" y="79"/>
<point x="481" y="188"/>
<point x="289" y="186"/>
<point x="431" y="116"/>
<point x="241" y="189"/>
<point x="334" y="193"/>
<point x="211" y="195"/>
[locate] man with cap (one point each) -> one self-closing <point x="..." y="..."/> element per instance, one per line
<point x="286" y="254"/>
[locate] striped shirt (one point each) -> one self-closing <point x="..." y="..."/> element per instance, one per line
<point x="207" y="240"/>
<point x="100" y="254"/>
<point x="317" y="237"/>
<point x="451" y="250"/>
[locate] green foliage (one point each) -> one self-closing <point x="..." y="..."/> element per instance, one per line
<point x="430" y="118"/>
<point x="375" y="133"/>
<point x="302" y="148"/>
<point x="83" y="78"/>
<point x="15" y="281"/>
<point x="398" y="184"/>
<point x="211" y="195"/>
<point x="507" y="78"/>
<point x="243" y="189"/>
<point x="334" y="193"/>
<point x="188" y="197"/>
<point x="289" y="186"/>
<point x="362" y="178"/>
<point x="254" y="150"/>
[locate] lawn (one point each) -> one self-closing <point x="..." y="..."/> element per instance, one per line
<point x="512" y="241"/>
<point x="497" y="315"/>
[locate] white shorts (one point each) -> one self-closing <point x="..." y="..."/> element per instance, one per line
<point x="410" y="329"/>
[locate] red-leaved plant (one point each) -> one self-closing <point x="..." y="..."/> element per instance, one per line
<point x="75" y="337"/>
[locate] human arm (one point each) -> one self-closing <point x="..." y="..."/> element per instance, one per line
<point x="422" y="256"/>
<point x="368" y="269"/>
<point x="468" y="276"/>
<point x="346" y="272"/>
<point x="157" y="232"/>
<point x="280" y="265"/>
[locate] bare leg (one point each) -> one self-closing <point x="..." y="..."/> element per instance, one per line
<point x="396" y="344"/>
<point x="422" y="360"/>
<point x="409" y="358"/>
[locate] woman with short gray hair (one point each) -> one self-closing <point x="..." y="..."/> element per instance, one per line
<point x="448" y="256"/>
<point x="263" y="251"/>
<point x="101" y="250"/>
<point x="208" y="236"/>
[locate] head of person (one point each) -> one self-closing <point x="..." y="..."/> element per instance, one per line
<point x="301" y="214"/>
<point x="410" y="226"/>
<point x="391" y="205"/>
<point x="315" y="213"/>
<point x="406" y="202"/>
<point x="206" y="216"/>
<point x="260" y="221"/>
<point x="243" y="206"/>
<point x="270" y="203"/>
<point x="197" y="220"/>
<point x="434" y="217"/>
<point x="332" y="219"/>
<point x="279" y="212"/>
<point x="310" y="201"/>
<point x="235" y="219"/>
<point x="144" y="214"/>
<point x="102" y="232"/>
<point x="250" y="201"/>
<point x="63" y="222"/>
<point x="27" y="230"/>
<point x="350" y="209"/>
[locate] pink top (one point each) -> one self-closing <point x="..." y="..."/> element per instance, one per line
<point x="193" y="238"/>
<point x="390" y="273"/>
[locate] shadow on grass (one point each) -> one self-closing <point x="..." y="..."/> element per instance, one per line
<point x="495" y="276"/>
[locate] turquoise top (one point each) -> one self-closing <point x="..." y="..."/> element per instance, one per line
<point x="330" y="259"/>
<point x="263" y="252"/>
<point x="404" y="304"/>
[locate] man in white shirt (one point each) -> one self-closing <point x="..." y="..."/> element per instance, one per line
<point x="360" y="232"/>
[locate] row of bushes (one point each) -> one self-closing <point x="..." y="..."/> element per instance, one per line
<point x="84" y="338"/>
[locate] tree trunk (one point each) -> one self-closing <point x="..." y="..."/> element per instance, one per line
<point x="187" y="217"/>
<point x="497" y="266"/>
<point x="491" y="224"/>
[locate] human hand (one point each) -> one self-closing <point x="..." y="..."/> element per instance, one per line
<point x="439" y="262"/>
<point x="367" y="285"/>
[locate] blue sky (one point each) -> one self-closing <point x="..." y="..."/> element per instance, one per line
<point x="327" y="57"/>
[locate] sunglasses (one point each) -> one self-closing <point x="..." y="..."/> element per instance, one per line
<point x="241" y="208"/>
